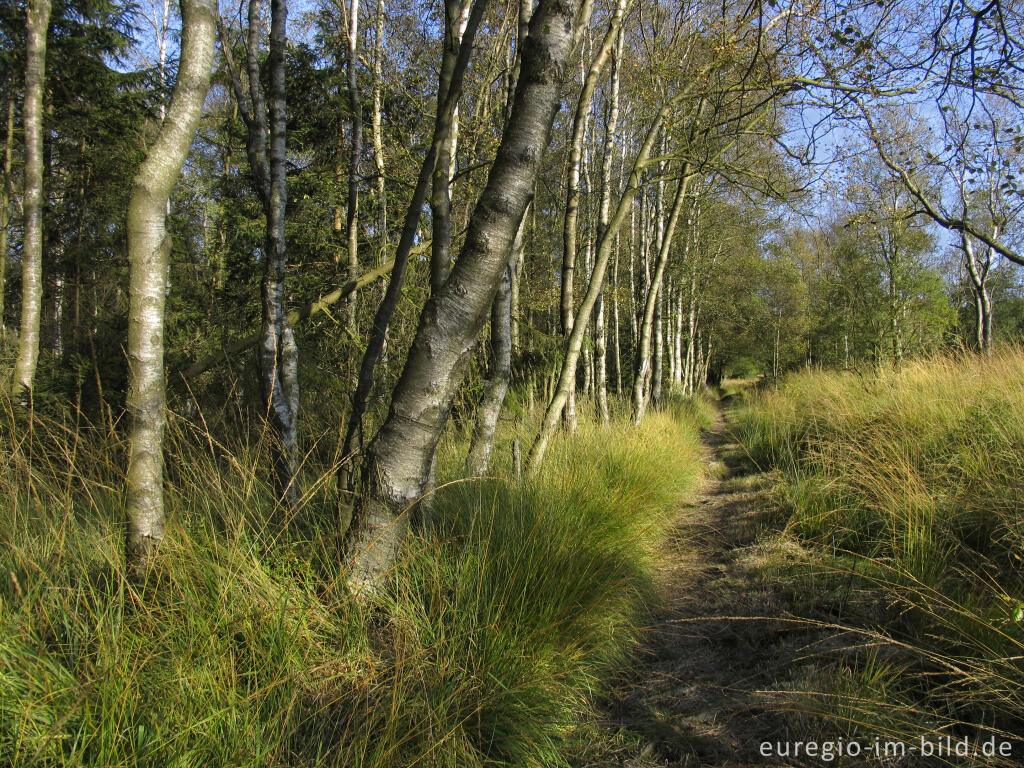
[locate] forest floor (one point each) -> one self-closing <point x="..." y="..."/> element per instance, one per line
<point x="710" y="680"/>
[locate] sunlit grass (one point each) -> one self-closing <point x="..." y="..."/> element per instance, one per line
<point x="915" y="480"/>
<point x="498" y="628"/>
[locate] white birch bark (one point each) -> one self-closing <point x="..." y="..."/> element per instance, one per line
<point x="37" y="23"/>
<point x="399" y="457"/>
<point x="149" y="248"/>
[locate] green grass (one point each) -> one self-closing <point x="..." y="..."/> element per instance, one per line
<point x="499" y="628"/>
<point x="698" y="408"/>
<point x="910" y="484"/>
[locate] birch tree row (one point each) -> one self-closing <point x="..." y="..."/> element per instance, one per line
<point x="586" y="206"/>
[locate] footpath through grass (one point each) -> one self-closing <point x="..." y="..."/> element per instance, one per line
<point x="905" y="490"/>
<point x="501" y="626"/>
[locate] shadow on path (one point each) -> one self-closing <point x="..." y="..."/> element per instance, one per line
<point x="701" y="692"/>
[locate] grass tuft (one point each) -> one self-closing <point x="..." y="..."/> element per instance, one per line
<point x="500" y="625"/>
<point x="910" y="483"/>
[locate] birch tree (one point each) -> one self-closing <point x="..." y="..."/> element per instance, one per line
<point x="356" y="135"/>
<point x="37" y="23"/>
<point x="149" y="248"/>
<point x="399" y="457"/>
<point x="604" y="214"/>
<point x="277" y="352"/>
<point x="5" y="202"/>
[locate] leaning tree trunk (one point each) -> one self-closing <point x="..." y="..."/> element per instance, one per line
<point x="399" y="457"/>
<point x="32" y="204"/>
<point x="149" y="249"/>
<point x="574" y="343"/>
<point x="643" y="352"/>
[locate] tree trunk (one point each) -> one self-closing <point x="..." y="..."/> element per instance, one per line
<point x="38" y="21"/>
<point x="986" y="311"/>
<point x="979" y="319"/>
<point x="278" y="353"/>
<point x="517" y="277"/>
<point x="616" y="330"/>
<point x="590" y="79"/>
<point x="633" y="259"/>
<point x="575" y="340"/>
<point x="978" y="273"/>
<point x="352" y="214"/>
<point x="775" y="355"/>
<point x="5" y="201"/>
<point x="678" y="380"/>
<point x="399" y="457"/>
<point x="691" y="334"/>
<point x="604" y="212"/>
<point x="456" y="17"/>
<point x="496" y="384"/>
<point x="376" y="129"/>
<point x="668" y="320"/>
<point x="658" y="362"/>
<point x="452" y="90"/>
<point x="149" y="248"/>
<point x="647" y="326"/>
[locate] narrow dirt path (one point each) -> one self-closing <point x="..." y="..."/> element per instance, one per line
<point x="700" y="693"/>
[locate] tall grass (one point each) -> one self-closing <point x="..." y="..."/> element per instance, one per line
<point x="497" y="629"/>
<point x="911" y="484"/>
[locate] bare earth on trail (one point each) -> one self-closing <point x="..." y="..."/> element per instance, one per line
<point x="701" y="690"/>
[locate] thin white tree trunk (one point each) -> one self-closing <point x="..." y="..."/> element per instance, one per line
<point x="5" y="200"/>
<point x="352" y="214"/>
<point x="37" y="23"/>
<point x="604" y="213"/>
<point x="644" y="373"/>
<point x="376" y="129"/>
<point x="149" y="249"/>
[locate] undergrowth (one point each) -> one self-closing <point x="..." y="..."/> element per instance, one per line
<point x="497" y="630"/>
<point x="908" y="486"/>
